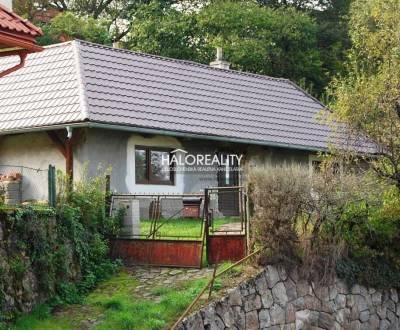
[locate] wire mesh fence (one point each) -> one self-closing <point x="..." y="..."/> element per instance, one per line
<point x="21" y="184"/>
<point x="226" y="209"/>
<point x="175" y="217"/>
<point x="182" y="216"/>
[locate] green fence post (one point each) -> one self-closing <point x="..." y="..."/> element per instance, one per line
<point x="52" y="185"/>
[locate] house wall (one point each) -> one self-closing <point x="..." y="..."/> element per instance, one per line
<point x="117" y="150"/>
<point x="28" y="153"/>
<point x="100" y="149"/>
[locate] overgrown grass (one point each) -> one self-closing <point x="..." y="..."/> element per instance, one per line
<point x="182" y="228"/>
<point x="114" y="305"/>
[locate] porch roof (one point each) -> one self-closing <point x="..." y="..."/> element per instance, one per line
<point x="17" y="34"/>
<point x="84" y="84"/>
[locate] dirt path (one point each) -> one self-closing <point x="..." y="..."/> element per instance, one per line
<point x="153" y="277"/>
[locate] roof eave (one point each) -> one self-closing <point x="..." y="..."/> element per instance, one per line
<point x="14" y="41"/>
<point x="136" y="129"/>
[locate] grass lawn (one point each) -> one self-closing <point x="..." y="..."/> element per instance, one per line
<point x="184" y="228"/>
<point x="114" y="304"/>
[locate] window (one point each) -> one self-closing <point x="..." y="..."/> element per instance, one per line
<point x="152" y="166"/>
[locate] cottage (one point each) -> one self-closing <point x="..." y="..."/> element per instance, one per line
<point x="162" y="125"/>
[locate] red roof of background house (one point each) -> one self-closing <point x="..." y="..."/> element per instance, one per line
<point x="16" y="33"/>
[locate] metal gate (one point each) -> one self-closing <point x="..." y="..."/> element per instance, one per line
<point x="226" y="230"/>
<point x="160" y="229"/>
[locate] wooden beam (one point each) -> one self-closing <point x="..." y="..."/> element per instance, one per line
<point x="58" y="142"/>
<point x="69" y="159"/>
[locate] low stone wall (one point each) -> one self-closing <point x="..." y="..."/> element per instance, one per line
<point x="275" y="299"/>
<point x="23" y="281"/>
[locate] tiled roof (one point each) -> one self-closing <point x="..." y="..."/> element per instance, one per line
<point x="13" y="23"/>
<point x="44" y="92"/>
<point x="83" y="82"/>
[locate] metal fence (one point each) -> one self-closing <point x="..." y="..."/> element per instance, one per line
<point x="27" y="184"/>
<point x="226" y="210"/>
<point x="161" y="216"/>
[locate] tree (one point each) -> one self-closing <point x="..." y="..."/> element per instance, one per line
<point x="278" y="42"/>
<point x="164" y="30"/>
<point x="67" y="26"/>
<point x="332" y="21"/>
<point x="368" y="98"/>
<point x="118" y="14"/>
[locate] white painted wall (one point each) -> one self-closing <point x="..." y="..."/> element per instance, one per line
<point x="32" y="150"/>
<point x="116" y="150"/>
<point x="6" y="3"/>
<point x="100" y="148"/>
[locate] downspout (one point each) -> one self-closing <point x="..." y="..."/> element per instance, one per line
<point x="69" y="155"/>
<point x="22" y="57"/>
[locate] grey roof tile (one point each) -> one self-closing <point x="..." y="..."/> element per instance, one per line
<point x="75" y="81"/>
<point x="45" y="92"/>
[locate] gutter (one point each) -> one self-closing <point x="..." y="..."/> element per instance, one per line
<point x="204" y="137"/>
<point x="22" y="58"/>
<point x="135" y="129"/>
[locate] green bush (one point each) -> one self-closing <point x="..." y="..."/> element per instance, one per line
<point x="66" y="248"/>
<point x="346" y="223"/>
<point x="372" y="232"/>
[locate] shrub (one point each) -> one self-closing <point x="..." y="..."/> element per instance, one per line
<point x="327" y="221"/>
<point x="66" y="248"/>
<point x="278" y="195"/>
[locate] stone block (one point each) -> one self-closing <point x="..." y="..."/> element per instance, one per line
<point x="384" y="325"/>
<point x="364" y="316"/>
<point x="394" y="295"/>
<point x="267" y="299"/>
<point x="252" y="302"/>
<point x="340" y="301"/>
<point x="305" y="319"/>
<point x="194" y="321"/>
<point x="272" y="276"/>
<point x="235" y="298"/>
<point x="238" y="317"/>
<point x="279" y="294"/>
<point x="373" y="322"/>
<point x="290" y="313"/>
<point x="252" y="321"/>
<point x="355" y="325"/>
<point x="224" y="312"/>
<point x="325" y="320"/>
<point x="277" y="314"/>
<point x="376" y="298"/>
<point x="291" y="290"/>
<point x="381" y="311"/>
<point x="282" y="273"/>
<point x="261" y="285"/>
<point x="264" y="318"/>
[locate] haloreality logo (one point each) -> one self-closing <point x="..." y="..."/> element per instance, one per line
<point x="180" y="157"/>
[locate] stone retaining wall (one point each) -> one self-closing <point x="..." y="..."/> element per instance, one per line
<point x="275" y="299"/>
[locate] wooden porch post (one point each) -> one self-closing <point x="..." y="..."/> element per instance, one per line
<point x="66" y="148"/>
<point x="69" y="159"/>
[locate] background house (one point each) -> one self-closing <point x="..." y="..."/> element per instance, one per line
<point x="17" y="37"/>
<point x="78" y="105"/>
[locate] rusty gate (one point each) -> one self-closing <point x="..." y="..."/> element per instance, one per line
<point x="226" y="224"/>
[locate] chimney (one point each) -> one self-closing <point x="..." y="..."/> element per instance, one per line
<point x="219" y="62"/>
